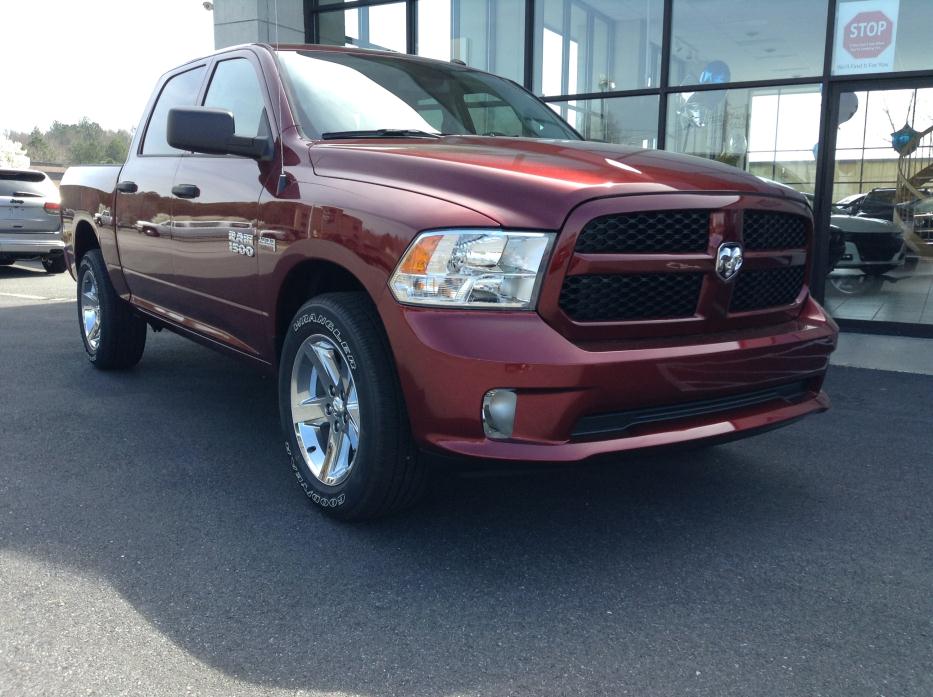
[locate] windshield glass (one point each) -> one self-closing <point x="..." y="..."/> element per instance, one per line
<point x="335" y="92"/>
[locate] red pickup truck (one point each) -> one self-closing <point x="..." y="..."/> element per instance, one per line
<point x="432" y="261"/>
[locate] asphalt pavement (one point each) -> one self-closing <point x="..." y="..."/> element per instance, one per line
<point x="153" y="542"/>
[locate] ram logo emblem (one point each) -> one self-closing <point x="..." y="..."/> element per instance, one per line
<point x="729" y="260"/>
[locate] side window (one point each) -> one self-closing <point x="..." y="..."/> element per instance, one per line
<point x="236" y="88"/>
<point x="180" y="90"/>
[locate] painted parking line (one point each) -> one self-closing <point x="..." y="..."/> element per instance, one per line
<point x="26" y="296"/>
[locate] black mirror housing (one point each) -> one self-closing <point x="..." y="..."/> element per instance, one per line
<point x="212" y="132"/>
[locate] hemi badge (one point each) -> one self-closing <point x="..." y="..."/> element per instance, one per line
<point x="267" y="242"/>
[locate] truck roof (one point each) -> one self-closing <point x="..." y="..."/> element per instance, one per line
<point x="329" y="49"/>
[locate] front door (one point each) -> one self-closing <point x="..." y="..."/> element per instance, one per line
<point x="215" y="217"/>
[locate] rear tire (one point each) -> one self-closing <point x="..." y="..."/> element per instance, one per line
<point x="54" y="264"/>
<point x="339" y="393"/>
<point x="114" y="336"/>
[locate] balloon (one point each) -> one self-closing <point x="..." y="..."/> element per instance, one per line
<point x="695" y="112"/>
<point x="715" y="73"/>
<point x="700" y="105"/>
<point x="848" y="105"/>
<point x="905" y="140"/>
<point x="736" y="145"/>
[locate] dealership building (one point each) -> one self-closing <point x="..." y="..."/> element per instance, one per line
<point x="831" y="97"/>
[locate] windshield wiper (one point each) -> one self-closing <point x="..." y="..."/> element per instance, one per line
<point x="380" y="133"/>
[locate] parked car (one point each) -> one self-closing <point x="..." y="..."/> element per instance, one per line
<point x="338" y="217"/>
<point x="837" y="240"/>
<point x="30" y="219"/>
<point x="872" y="245"/>
<point x="878" y="203"/>
<point x="923" y="220"/>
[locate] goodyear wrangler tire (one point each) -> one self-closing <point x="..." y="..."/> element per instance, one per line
<point x="343" y="416"/>
<point x="114" y="336"/>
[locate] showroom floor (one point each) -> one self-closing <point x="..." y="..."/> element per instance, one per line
<point x="903" y="295"/>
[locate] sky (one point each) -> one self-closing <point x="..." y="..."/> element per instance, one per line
<point x="93" y="58"/>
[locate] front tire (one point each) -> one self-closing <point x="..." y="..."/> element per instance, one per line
<point x="114" y="336"/>
<point x="343" y="415"/>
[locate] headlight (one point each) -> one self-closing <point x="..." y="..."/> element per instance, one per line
<point x="472" y="268"/>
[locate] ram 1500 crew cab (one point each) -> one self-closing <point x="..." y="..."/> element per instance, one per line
<point x="431" y="260"/>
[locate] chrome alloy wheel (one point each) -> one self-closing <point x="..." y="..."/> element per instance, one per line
<point x="325" y="409"/>
<point x="90" y="310"/>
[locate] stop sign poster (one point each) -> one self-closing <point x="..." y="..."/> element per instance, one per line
<point x="866" y="36"/>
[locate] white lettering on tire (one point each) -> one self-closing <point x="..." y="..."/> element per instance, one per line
<point x="335" y="332"/>
<point x="323" y="501"/>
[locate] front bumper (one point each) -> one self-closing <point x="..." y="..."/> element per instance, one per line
<point x="448" y="360"/>
<point x="36" y="244"/>
<point x="852" y="258"/>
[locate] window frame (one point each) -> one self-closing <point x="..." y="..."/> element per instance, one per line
<point x="260" y="80"/>
<point x="167" y="78"/>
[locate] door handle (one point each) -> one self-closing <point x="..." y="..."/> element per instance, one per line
<point x="127" y="187"/>
<point x="186" y="191"/>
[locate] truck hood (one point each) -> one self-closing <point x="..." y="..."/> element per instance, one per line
<point x="527" y="182"/>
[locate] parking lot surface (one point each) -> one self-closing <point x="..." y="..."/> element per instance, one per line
<point x="152" y="541"/>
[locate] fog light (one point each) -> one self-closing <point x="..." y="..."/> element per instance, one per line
<point x="499" y="413"/>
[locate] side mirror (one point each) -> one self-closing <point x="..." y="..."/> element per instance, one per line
<point x="212" y="132"/>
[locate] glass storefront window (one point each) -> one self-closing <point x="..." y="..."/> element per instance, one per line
<point x="484" y="34"/>
<point x="882" y="36"/>
<point x="626" y="120"/>
<point x="770" y="132"/>
<point x="724" y="41"/>
<point x="378" y="26"/>
<point x="587" y="46"/>
<point x="881" y="262"/>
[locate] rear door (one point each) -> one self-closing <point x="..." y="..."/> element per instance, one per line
<point x="23" y="196"/>
<point x="144" y="200"/>
<point x="215" y="214"/>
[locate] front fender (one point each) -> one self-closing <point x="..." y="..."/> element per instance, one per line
<point x="359" y="227"/>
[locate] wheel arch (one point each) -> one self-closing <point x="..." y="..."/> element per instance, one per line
<point x="305" y="280"/>
<point x="85" y="239"/>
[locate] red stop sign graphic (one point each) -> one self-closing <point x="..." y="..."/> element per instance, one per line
<point x="868" y="34"/>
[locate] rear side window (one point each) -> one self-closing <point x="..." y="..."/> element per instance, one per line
<point x="235" y="87"/>
<point x="25" y="184"/>
<point x="180" y="90"/>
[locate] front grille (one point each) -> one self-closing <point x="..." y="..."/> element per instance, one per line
<point x="876" y="246"/>
<point x="757" y="290"/>
<point x="659" y="232"/>
<point x="617" y="423"/>
<point x="626" y="297"/>
<point x="765" y="230"/>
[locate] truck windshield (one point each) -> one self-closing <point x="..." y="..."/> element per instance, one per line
<point x="357" y="95"/>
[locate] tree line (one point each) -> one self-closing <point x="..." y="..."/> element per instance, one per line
<point x="82" y="143"/>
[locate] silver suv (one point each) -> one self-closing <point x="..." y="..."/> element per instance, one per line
<point x="30" y="219"/>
